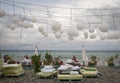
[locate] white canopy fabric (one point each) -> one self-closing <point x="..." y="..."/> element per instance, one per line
<point x="84" y="56"/>
<point x="36" y="51"/>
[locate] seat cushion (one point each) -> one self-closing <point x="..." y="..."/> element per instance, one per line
<point x="74" y="72"/>
<point x="90" y="68"/>
<point x="69" y="77"/>
<point x="42" y="74"/>
<point x="11" y="65"/>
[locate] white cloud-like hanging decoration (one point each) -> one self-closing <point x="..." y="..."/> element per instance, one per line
<point x="45" y="34"/>
<point x="91" y="29"/>
<point x="61" y="32"/>
<point x="85" y="35"/>
<point x="93" y="36"/>
<point x="12" y="27"/>
<point x="42" y="33"/>
<point x="114" y="35"/>
<point x="79" y="27"/>
<point x="25" y="24"/>
<point x="54" y="32"/>
<point x="15" y="19"/>
<point x="58" y="35"/>
<point x="31" y="25"/>
<point x="33" y="20"/>
<point x="20" y="23"/>
<point x="8" y="25"/>
<point x="76" y="34"/>
<point x="71" y="38"/>
<point x="104" y="28"/>
<point x="41" y="29"/>
<point x="2" y="13"/>
<point x="56" y="26"/>
<point x="103" y="37"/>
<point x="73" y="33"/>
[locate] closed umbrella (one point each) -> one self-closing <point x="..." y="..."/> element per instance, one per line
<point x="84" y="56"/>
<point x="36" y="51"/>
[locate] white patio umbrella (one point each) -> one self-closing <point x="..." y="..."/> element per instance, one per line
<point x="84" y="56"/>
<point x="36" y="51"/>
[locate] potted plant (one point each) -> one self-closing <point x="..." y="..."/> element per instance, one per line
<point x="0" y="55"/>
<point x="56" y="62"/>
<point x="111" y="61"/>
<point x="93" y="61"/>
<point x="91" y="64"/>
<point x="36" y="62"/>
<point x="7" y="58"/>
<point x="48" y="58"/>
<point x="11" y="62"/>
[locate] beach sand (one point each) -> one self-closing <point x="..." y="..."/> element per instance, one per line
<point x="109" y="75"/>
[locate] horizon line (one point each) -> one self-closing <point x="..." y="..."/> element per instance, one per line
<point x="59" y="50"/>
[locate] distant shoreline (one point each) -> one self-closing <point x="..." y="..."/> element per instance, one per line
<point x="66" y="50"/>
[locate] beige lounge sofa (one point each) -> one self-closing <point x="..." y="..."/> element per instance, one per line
<point x="1" y="63"/>
<point x="12" y="70"/>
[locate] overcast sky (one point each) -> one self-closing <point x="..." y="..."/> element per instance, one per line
<point x="68" y="13"/>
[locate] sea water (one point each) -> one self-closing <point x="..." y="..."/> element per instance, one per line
<point x="63" y="54"/>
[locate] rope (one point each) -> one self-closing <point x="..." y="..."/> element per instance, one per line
<point x="70" y="17"/>
<point x="13" y="9"/>
<point x="88" y="21"/>
<point x="59" y="7"/>
<point x="0" y="5"/>
<point x="114" y="22"/>
<point x="65" y="17"/>
<point x="63" y="13"/>
<point x="101" y="16"/>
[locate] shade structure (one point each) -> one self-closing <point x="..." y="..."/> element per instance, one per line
<point x="36" y="51"/>
<point x="84" y="56"/>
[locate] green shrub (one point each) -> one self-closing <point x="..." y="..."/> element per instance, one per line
<point x="36" y="62"/>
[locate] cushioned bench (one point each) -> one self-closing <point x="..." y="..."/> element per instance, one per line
<point x="1" y="68"/>
<point x="90" y="73"/>
<point x="1" y="63"/>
